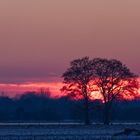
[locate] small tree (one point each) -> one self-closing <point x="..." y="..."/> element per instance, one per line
<point x="76" y="80"/>
<point x="114" y="81"/>
<point x="44" y="92"/>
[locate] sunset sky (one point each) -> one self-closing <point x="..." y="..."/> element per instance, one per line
<point x="38" y="38"/>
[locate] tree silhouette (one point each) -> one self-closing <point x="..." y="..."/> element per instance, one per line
<point x="114" y="81"/>
<point x="44" y="92"/>
<point x="76" y="80"/>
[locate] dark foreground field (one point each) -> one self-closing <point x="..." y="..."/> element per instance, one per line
<point x="64" y="131"/>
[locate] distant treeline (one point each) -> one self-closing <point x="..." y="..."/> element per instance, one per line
<point x="38" y="107"/>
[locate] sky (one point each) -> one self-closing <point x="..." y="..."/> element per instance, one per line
<point x="38" y="38"/>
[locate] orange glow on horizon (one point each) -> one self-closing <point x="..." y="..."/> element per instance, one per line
<point x="12" y="90"/>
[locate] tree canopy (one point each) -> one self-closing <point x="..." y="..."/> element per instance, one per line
<point x="109" y="77"/>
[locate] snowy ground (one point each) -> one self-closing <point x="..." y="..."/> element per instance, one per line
<point x="52" y="131"/>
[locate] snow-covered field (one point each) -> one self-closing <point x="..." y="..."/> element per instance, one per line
<point x="63" y="131"/>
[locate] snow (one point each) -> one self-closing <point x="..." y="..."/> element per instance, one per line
<point x="63" y="131"/>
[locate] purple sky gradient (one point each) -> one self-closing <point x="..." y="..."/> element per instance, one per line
<point x="38" y="38"/>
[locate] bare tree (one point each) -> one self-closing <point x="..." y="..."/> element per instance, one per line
<point x="114" y="81"/>
<point x="76" y="80"/>
<point x="44" y="92"/>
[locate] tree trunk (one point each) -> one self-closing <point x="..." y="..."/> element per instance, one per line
<point x="106" y="114"/>
<point x="87" y="120"/>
